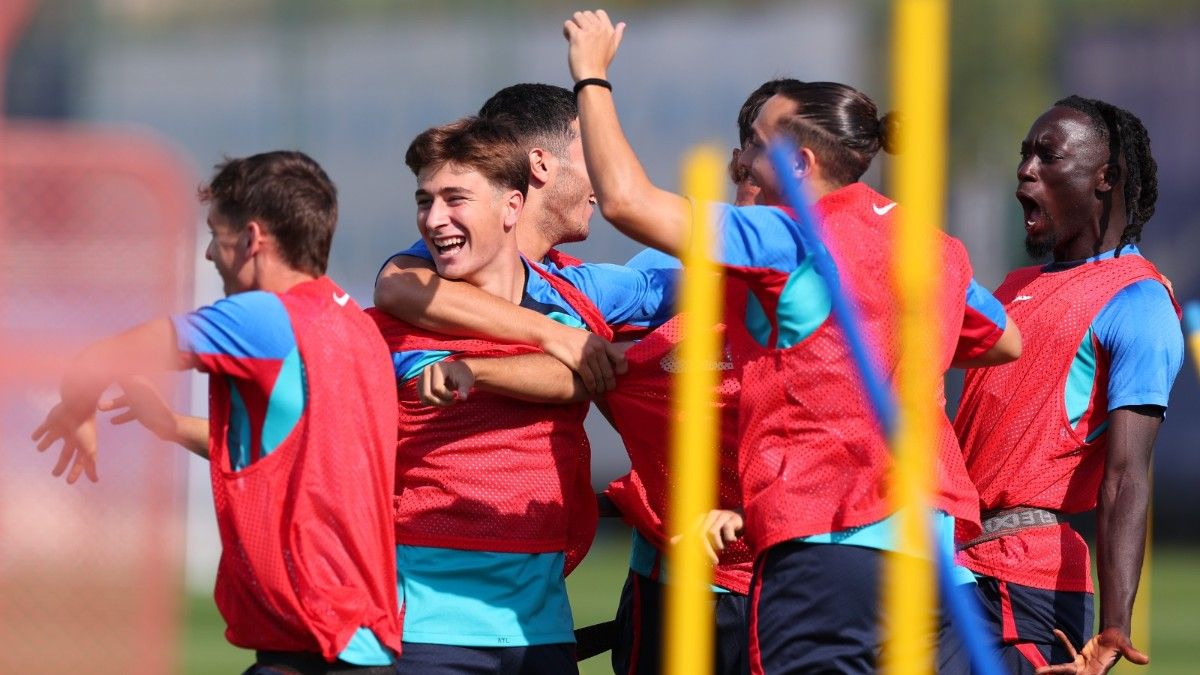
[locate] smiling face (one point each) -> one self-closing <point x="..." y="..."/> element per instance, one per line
<point x="1059" y="182"/>
<point x="466" y="222"/>
<point x="753" y="159"/>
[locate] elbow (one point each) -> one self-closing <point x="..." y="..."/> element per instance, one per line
<point x="404" y="293"/>
<point x="616" y="208"/>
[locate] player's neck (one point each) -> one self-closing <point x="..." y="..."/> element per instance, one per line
<point x="275" y="276"/>
<point x="503" y="276"/>
<point x="531" y="240"/>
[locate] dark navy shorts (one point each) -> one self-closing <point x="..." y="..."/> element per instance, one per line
<point x="300" y="663"/>
<point x="817" y="608"/>
<point x="1022" y="619"/>
<point x="427" y="659"/>
<point x="638" y="649"/>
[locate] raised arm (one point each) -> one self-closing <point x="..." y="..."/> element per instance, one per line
<point x="1007" y="348"/>
<point x="626" y="197"/>
<point x="147" y="348"/>
<point x="409" y="289"/>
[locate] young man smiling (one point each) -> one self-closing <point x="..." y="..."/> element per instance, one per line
<point x="494" y="502"/>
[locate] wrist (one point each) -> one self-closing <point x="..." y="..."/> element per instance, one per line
<point x="591" y="75"/>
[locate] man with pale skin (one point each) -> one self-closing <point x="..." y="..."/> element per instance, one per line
<point x="557" y="208"/>
<point x="494" y="502"/>
<point x="297" y="376"/>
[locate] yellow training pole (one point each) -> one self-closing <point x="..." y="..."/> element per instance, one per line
<point x="919" y="76"/>
<point x="689" y="623"/>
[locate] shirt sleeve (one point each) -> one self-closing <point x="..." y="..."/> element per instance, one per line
<point x="758" y="236"/>
<point x="236" y="335"/>
<point x="652" y="258"/>
<point x="417" y="250"/>
<point x="409" y="364"/>
<point x="1140" y="332"/>
<point x="984" y="322"/>
<point x="625" y="295"/>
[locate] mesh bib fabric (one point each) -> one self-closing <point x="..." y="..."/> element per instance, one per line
<point x="640" y="408"/>
<point x="1019" y="445"/>
<point x="813" y="459"/>
<point x="306" y="531"/>
<point x="492" y="473"/>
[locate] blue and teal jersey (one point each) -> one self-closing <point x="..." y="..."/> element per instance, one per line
<point x="247" y="339"/>
<point x="1135" y="341"/>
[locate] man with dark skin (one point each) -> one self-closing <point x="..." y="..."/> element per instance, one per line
<point x="1070" y="426"/>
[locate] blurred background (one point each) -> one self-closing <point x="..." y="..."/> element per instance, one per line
<point x="117" y="109"/>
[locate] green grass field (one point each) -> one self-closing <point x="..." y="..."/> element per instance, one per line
<point x="596" y="585"/>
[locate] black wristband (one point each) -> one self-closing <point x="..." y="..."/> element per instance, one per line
<point x="599" y="82"/>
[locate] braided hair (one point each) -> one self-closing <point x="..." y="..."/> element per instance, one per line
<point x="1128" y="140"/>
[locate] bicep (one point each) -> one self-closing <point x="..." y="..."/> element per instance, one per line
<point x="1140" y="333"/>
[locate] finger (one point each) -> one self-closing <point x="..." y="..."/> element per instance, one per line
<point x="608" y="379"/>
<point x="64" y="459"/>
<point x="587" y="373"/>
<point x="710" y="521"/>
<point x="616" y="357"/>
<point x="602" y="17"/>
<point x="1131" y="654"/>
<point x="729" y="532"/>
<point x="121" y="401"/>
<point x="1062" y="637"/>
<point x="675" y="540"/>
<point x="40" y="431"/>
<point x="619" y="35"/>
<point x="124" y="418"/>
<point x="1067" y="668"/>
<point x="48" y="439"/>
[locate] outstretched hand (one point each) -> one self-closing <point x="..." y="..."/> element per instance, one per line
<point x="1098" y="656"/>
<point x="78" y="435"/>
<point x="140" y="401"/>
<point x="593" y="42"/>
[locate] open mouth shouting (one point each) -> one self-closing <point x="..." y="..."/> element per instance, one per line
<point x="1035" y="217"/>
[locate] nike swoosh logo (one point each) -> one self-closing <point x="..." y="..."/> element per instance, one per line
<point x="1020" y="298"/>
<point x="883" y="210"/>
<point x="341" y="299"/>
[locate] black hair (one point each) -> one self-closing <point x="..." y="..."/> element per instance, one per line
<point x="541" y="114"/>
<point x="841" y="125"/>
<point x="754" y="103"/>
<point x="1129" y="141"/>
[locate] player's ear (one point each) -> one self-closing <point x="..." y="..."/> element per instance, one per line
<point x="252" y="237"/>
<point x="514" y="201"/>
<point x="805" y="160"/>
<point x="1108" y="176"/>
<point x="541" y="164"/>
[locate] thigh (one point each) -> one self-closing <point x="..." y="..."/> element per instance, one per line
<point x="637" y="649"/>
<point x="557" y="659"/>
<point x="731" y="612"/>
<point x="1022" y="620"/>
<point x="815" y="609"/>
<point x="427" y="659"/>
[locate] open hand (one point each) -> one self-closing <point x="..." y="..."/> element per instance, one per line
<point x="78" y="435"/>
<point x="593" y="42"/>
<point x="1098" y="656"/>
<point x="140" y="401"/>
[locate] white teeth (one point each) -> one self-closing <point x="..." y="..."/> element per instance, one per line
<point x="444" y="244"/>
